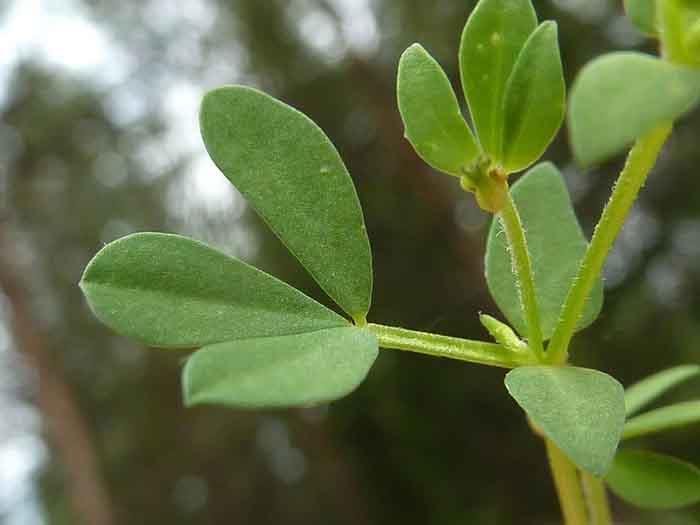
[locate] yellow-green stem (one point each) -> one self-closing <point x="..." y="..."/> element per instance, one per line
<point x="639" y="163"/>
<point x="522" y="267"/>
<point x="597" y="499"/>
<point x="568" y="485"/>
<point x="479" y="352"/>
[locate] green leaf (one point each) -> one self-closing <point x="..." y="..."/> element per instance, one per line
<point x="621" y="96"/>
<point x="535" y="99"/>
<point x="581" y="410"/>
<point x="677" y="21"/>
<point x="294" y="178"/>
<point x="431" y="115"/>
<point x="647" y="390"/>
<point x="172" y="292"/>
<point x="642" y="13"/>
<point x="654" y="481"/>
<point x="674" y="416"/>
<point x="291" y="370"/>
<point x="556" y="244"/>
<point x="491" y="41"/>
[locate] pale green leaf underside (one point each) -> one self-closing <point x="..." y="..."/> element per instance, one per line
<point x="535" y="99"/>
<point x="581" y="410"/>
<point x="173" y="292"/>
<point x="666" y="418"/>
<point x="640" y="394"/>
<point x="430" y="112"/>
<point x="556" y="244"/>
<point x="294" y="178"/>
<point x="642" y="13"/>
<point x="621" y="96"/>
<point x="492" y="38"/>
<point x="292" y="370"/>
<point x="654" y="481"/>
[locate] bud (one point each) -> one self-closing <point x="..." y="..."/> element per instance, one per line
<point x="488" y="182"/>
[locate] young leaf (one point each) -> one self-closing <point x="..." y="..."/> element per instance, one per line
<point x="503" y="334"/>
<point x="172" y="292"/>
<point x="581" y="410"/>
<point x="431" y="115"/>
<point x="654" y="481"/>
<point x="556" y="244"/>
<point x="291" y="370"/>
<point x="294" y="178"/>
<point x="647" y="390"/>
<point x="674" y="416"/>
<point x="642" y="13"/>
<point x="621" y="96"/>
<point x="492" y="38"/>
<point x="535" y="99"/>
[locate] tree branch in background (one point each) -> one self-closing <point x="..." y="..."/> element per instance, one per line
<point x="66" y="427"/>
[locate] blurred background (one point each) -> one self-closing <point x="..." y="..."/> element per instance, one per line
<point x="99" y="138"/>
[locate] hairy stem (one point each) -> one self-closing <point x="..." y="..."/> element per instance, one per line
<point x="520" y="257"/>
<point x="639" y="163"/>
<point x="479" y="352"/>
<point x="568" y="485"/>
<point x="597" y="499"/>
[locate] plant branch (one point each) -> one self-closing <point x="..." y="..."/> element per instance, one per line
<point x="479" y="352"/>
<point x="597" y="499"/>
<point x="568" y="485"/>
<point x="639" y="163"/>
<point x="522" y="267"/>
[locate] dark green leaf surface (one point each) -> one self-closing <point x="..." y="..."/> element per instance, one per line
<point x="431" y="115"/>
<point x="492" y="38"/>
<point x="294" y="178"/>
<point x="654" y="481"/>
<point x="642" y="13"/>
<point x="647" y="390"/>
<point x="621" y="96"/>
<point x="172" y="292"/>
<point x="556" y="244"/>
<point x="292" y="370"/>
<point x="581" y="410"/>
<point x="666" y="418"/>
<point x="535" y="100"/>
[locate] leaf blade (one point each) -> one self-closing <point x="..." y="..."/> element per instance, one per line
<point x="431" y="115"/>
<point x="169" y="291"/>
<point x="556" y="244"/>
<point x="666" y="418"/>
<point x="491" y="40"/>
<point x="621" y="96"/>
<point x="642" y="13"/>
<point x="292" y="175"/>
<point x="535" y="99"/>
<point x="654" y="481"/>
<point x="275" y="371"/>
<point x="638" y="395"/>
<point x="580" y="410"/>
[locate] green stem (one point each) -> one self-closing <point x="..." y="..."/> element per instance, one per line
<point x="597" y="498"/>
<point x="436" y="345"/>
<point x="641" y="159"/>
<point x="568" y="485"/>
<point x="522" y="267"/>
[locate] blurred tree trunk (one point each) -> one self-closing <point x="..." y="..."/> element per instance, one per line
<point x="66" y="427"/>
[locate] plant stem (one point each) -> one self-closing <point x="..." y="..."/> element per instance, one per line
<point x="641" y="159"/>
<point x="568" y="485"/>
<point x="522" y="267"/>
<point x="478" y="352"/>
<point x="597" y="498"/>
